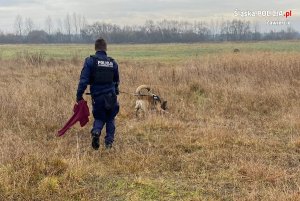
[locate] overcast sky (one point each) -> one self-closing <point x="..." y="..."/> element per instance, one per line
<point x="137" y="11"/>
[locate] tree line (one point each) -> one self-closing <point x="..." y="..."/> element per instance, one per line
<point x="74" y="28"/>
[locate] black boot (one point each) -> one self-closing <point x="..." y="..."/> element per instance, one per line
<point x="95" y="140"/>
<point x="108" y="146"/>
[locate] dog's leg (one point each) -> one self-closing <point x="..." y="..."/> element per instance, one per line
<point x="141" y="109"/>
<point x="137" y="108"/>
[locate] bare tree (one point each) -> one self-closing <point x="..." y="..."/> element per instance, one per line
<point x="150" y="26"/>
<point x="19" y="25"/>
<point x="29" y="25"/>
<point x="83" y="23"/>
<point x="67" y="24"/>
<point x="214" y="28"/>
<point x="48" y="25"/>
<point x="59" y="25"/>
<point x="225" y="30"/>
<point x="76" y="22"/>
<point x="256" y="29"/>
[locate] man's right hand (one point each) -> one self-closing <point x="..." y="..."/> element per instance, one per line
<point x="117" y="90"/>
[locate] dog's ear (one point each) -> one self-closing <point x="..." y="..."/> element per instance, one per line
<point x="164" y="105"/>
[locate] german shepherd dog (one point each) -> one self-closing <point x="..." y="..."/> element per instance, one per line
<point x="148" y="101"/>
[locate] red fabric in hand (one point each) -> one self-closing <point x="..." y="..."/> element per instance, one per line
<point x="81" y="114"/>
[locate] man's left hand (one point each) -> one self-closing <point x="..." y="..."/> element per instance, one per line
<point x="78" y="99"/>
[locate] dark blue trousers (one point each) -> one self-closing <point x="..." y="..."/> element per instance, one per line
<point x="104" y="116"/>
<point x="110" y="129"/>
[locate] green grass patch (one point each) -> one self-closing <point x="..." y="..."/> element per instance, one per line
<point x="138" y="52"/>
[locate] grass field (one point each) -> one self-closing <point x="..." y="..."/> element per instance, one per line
<point x="232" y="132"/>
<point x="162" y="52"/>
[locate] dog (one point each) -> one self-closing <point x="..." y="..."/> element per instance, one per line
<point x="148" y="101"/>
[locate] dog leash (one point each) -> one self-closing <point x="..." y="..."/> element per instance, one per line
<point x="123" y="92"/>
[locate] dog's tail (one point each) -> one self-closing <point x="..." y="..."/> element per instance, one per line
<point x="142" y="87"/>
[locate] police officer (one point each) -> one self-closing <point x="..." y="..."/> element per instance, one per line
<point x="101" y="73"/>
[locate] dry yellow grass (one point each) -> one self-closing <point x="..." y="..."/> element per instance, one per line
<point x="232" y="132"/>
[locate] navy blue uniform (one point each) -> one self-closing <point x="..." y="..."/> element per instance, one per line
<point x="102" y="74"/>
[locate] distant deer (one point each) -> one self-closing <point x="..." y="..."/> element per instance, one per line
<point x="236" y="50"/>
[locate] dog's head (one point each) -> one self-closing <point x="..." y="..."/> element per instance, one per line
<point x="164" y="105"/>
<point x="160" y="101"/>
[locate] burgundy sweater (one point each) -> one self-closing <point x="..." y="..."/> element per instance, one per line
<point x="81" y="114"/>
